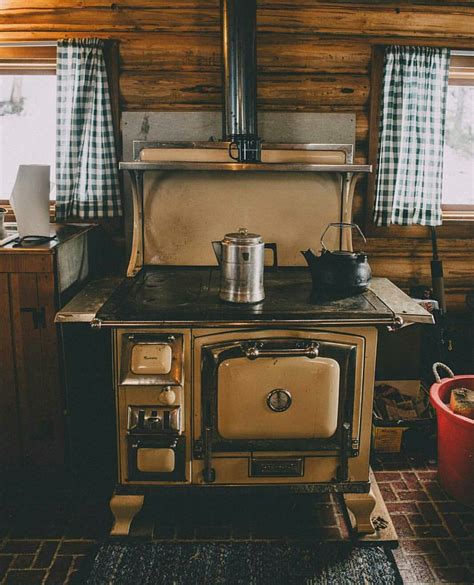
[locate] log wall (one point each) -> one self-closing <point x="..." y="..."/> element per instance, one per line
<point x="312" y="56"/>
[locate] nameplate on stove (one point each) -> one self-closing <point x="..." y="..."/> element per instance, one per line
<point x="276" y="467"/>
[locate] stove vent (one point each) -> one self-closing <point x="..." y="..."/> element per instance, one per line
<point x="239" y="71"/>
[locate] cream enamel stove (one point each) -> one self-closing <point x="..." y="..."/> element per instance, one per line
<point x="276" y="393"/>
<point x="209" y="393"/>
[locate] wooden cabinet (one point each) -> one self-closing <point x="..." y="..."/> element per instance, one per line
<point x="9" y="433"/>
<point x="34" y="283"/>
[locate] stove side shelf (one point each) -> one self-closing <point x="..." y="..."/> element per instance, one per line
<point x="349" y="173"/>
<point x="84" y="307"/>
<point x="404" y="307"/>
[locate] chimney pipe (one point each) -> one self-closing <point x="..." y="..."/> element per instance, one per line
<point x="239" y="71"/>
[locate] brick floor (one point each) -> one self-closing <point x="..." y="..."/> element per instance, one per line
<point x="436" y="539"/>
<point x="46" y="532"/>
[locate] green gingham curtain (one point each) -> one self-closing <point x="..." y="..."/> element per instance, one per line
<point x="87" y="184"/>
<point x="410" y="159"/>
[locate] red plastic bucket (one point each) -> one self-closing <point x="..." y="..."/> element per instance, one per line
<point x="455" y="441"/>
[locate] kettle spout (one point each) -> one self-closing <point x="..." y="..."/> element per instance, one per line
<point x="310" y="257"/>
<point x="217" y="251"/>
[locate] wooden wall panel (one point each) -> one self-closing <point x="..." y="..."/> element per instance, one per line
<point x="407" y="262"/>
<point x="312" y="56"/>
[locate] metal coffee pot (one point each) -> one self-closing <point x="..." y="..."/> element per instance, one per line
<point x="241" y="258"/>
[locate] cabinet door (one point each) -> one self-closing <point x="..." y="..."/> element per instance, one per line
<point x="10" y="448"/>
<point x="37" y="368"/>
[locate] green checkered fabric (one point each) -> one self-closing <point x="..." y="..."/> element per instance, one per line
<point x="87" y="183"/>
<point x="410" y="159"/>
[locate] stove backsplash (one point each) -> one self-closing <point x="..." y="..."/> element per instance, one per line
<point x="185" y="212"/>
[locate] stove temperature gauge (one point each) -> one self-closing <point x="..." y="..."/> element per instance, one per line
<point x="279" y="400"/>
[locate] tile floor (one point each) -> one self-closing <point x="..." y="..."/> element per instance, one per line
<point x="46" y="532"/>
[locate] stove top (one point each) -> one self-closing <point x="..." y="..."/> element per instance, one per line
<point x="190" y="295"/>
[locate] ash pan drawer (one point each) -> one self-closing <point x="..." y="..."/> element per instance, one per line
<point x="158" y="459"/>
<point x="155" y="460"/>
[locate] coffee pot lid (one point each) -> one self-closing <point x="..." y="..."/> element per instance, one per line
<point x="243" y="237"/>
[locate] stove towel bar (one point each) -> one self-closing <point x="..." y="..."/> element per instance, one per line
<point x="254" y="350"/>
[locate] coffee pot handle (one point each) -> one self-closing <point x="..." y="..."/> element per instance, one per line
<point x="273" y="247"/>
<point x="217" y="246"/>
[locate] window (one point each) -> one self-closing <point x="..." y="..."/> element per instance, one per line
<point x="458" y="181"/>
<point x="27" y="111"/>
<point x="457" y="203"/>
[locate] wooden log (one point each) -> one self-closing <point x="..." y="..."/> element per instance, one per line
<point x="159" y="90"/>
<point x="275" y="53"/>
<point x="211" y="4"/>
<point x="360" y="20"/>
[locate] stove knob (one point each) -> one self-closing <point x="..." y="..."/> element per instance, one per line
<point x="167" y="396"/>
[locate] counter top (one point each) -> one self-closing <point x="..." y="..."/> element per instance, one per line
<point x="62" y="233"/>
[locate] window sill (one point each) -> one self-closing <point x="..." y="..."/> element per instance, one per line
<point x="452" y="228"/>
<point x="10" y="216"/>
<point x="458" y="216"/>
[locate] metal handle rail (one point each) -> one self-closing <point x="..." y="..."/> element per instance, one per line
<point x="252" y="351"/>
<point x="209" y="473"/>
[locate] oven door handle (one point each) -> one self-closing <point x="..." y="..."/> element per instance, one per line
<point x="252" y="351"/>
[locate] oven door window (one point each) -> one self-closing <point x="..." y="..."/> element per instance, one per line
<point x="278" y="398"/>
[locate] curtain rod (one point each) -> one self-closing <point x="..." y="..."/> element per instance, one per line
<point x="29" y="44"/>
<point x="462" y="53"/>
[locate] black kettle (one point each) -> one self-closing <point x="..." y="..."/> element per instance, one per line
<point x="338" y="273"/>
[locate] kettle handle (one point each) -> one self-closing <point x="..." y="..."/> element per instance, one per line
<point x="341" y="225"/>
<point x="273" y="247"/>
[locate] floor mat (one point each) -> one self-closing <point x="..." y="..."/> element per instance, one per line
<point x="238" y="563"/>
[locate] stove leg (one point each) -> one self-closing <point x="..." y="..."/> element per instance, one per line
<point x="124" y="508"/>
<point x="361" y="506"/>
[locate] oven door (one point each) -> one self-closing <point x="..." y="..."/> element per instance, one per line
<point x="281" y="394"/>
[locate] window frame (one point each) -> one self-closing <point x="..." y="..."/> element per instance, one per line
<point x="461" y="73"/>
<point x="457" y="223"/>
<point x="26" y="59"/>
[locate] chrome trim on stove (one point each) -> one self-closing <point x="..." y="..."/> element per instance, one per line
<point x="254" y="350"/>
<point x="270" y="324"/>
